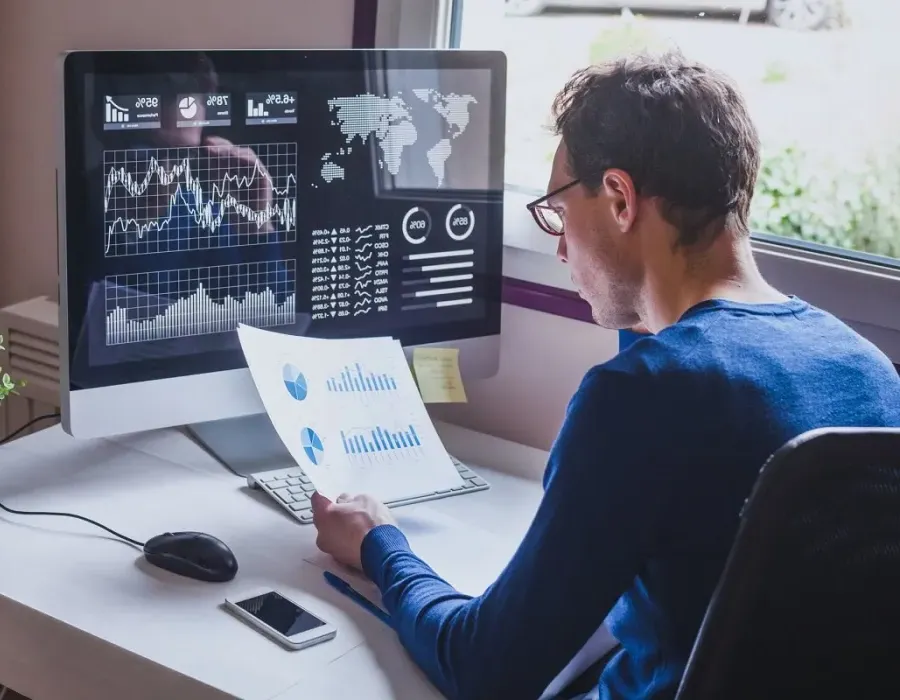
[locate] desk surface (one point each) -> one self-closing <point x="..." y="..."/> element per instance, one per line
<point x="82" y="617"/>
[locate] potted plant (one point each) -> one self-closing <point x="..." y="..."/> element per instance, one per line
<point x="7" y="385"/>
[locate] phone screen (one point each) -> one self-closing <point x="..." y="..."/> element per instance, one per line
<point x="280" y="614"/>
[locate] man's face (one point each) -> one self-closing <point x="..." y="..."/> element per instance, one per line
<point x="598" y="245"/>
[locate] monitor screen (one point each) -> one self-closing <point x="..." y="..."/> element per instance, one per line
<point x="330" y="193"/>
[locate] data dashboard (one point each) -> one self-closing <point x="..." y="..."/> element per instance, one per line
<point x="330" y="193"/>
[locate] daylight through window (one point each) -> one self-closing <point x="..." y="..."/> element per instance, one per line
<point x="816" y="74"/>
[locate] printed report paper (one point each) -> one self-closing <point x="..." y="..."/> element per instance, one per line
<point x="350" y="414"/>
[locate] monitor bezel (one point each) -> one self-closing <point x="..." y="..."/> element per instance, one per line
<point x="77" y="66"/>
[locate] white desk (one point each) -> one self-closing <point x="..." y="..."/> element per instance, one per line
<point x="82" y="617"/>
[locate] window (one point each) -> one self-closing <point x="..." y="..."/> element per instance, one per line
<point x="813" y="71"/>
<point x="816" y="74"/>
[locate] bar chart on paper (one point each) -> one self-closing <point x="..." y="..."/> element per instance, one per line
<point x="380" y="443"/>
<point x="353" y="378"/>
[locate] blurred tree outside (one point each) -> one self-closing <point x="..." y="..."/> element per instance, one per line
<point x="855" y="208"/>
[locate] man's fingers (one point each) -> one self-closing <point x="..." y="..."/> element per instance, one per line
<point x="216" y="145"/>
<point x="247" y="155"/>
<point x="223" y="148"/>
<point x="217" y="141"/>
<point x="319" y="502"/>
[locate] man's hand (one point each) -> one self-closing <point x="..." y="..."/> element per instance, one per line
<point x="344" y="524"/>
<point x="240" y="161"/>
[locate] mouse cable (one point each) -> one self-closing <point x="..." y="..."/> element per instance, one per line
<point x="15" y="511"/>
<point x="18" y="431"/>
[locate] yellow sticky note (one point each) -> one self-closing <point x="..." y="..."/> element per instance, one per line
<point x="437" y="373"/>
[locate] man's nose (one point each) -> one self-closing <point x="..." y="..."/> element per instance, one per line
<point x="561" y="249"/>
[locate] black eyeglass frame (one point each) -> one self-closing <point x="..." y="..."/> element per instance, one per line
<point x="537" y="206"/>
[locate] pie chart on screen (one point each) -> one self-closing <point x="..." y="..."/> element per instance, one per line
<point x="294" y="382"/>
<point x="188" y="107"/>
<point x="312" y="446"/>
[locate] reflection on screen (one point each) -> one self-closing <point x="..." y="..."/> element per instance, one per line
<point x="340" y="197"/>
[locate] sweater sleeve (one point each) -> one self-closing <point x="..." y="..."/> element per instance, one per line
<point x="580" y="554"/>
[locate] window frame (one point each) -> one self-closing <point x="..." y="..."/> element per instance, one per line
<point x="861" y="290"/>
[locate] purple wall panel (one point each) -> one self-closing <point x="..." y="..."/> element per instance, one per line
<point x="539" y="297"/>
<point x="365" y="18"/>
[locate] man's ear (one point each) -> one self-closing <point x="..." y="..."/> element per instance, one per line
<point x="621" y="196"/>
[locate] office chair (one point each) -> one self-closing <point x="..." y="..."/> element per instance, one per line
<point x="808" y="604"/>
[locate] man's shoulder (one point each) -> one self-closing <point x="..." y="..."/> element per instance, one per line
<point x="734" y="356"/>
<point x="621" y="410"/>
<point x="682" y="362"/>
<point x="648" y="368"/>
<point x="657" y="357"/>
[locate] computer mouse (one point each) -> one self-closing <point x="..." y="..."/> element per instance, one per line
<point x="192" y="554"/>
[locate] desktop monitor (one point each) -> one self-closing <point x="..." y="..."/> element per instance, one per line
<point x="327" y="193"/>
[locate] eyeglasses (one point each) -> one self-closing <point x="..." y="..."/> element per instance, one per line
<point x="547" y="217"/>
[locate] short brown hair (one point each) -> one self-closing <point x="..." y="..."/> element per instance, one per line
<point x="681" y="130"/>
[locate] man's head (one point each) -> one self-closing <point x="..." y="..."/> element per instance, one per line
<point x="665" y="159"/>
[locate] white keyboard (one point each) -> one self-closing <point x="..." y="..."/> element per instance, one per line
<point x="291" y="489"/>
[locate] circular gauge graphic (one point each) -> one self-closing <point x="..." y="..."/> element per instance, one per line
<point x="460" y="222"/>
<point x="416" y="225"/>
<point x="188" y="107"/>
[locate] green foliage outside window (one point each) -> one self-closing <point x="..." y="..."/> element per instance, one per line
<point x="856" y="208"/>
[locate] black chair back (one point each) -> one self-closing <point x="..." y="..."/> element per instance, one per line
<point x="808" y="605"/>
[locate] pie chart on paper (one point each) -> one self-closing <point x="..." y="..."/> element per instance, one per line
<point x="294" y="382"/>
<point x="312" y="446"/>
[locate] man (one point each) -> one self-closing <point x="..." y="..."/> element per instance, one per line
<point x="649" y="192"/>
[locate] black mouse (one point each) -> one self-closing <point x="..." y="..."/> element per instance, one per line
<point x="192" y="554"/>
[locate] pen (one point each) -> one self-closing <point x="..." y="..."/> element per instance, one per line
<point x="342" y="586"/>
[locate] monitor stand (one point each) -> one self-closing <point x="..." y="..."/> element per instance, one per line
<point x="245" y="445"/>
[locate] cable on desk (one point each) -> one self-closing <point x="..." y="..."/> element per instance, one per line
<point x="18" y="431"/>
<point x="15" y="511"/>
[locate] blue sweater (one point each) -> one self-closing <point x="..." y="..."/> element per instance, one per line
<point x="659" y="448"/>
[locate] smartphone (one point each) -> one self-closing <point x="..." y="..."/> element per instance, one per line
<point x="280" y="618"/>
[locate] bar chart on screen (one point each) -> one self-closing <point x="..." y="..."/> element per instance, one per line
<point x="165" y="304"/>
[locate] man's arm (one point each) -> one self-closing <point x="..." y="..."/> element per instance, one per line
<point x="585" y="546"/>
